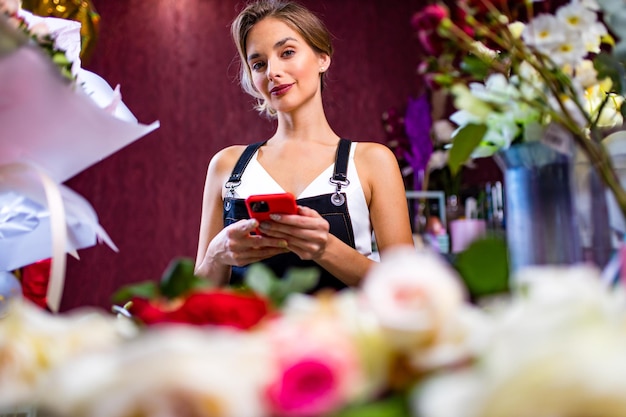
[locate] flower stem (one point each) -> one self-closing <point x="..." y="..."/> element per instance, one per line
<point x="601" y="162"/>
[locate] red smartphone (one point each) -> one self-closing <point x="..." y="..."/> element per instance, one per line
<point x="260" y="206"/>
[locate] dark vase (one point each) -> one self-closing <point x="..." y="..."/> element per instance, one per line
<point x="540" y="216"/>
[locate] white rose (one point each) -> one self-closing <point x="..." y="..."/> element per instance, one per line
<point x="414" y="294"/>
<point x="35" y="342"/>
<point x="167" y="371"/>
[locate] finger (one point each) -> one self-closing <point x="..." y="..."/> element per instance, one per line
<point x="244" y="227"/>
<point x="306" y="249"/>
<point x="295" y="225"/>
<point x="308" y="211"/>
<point x="262" y="241"/>
<point x="258" y="254"/>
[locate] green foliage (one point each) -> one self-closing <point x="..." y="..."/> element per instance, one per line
<point x="394" y="406"/>
<point x="484" y="267"/>
<point x="177" y="280"/>
<point x="262" y="280"/>
<point x="475" y="66"/>
<point x="615" y="18"/>
<point x="608" y="66"/>
<point x="147" y="289"/>
<point x="465" y="141"/>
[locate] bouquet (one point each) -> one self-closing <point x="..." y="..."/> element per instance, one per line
<point x="40" y="149"/>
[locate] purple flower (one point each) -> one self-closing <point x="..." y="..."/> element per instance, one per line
<point x="417" y="124"/>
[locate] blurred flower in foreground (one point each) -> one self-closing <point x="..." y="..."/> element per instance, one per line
<point x="558" y="348"/>
<point x="34" y="343"/>
<point x="320" y="367"/>
<point x="169" y="371"/>
<point x="420" y="302"/>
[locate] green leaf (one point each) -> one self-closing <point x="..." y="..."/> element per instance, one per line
<point x="619" y="52"/>
<point x="260" y="279"/>
<point x="475" y="66"/>
<point x="443" y="80"/>
<point x="395" y="406"/>
<point x="146" y="289"/>
<point x="301" y="279"/>
<point x="465" y="141"/>
<point x="608" y="66"/>
<point x="60" y="58"/>
<point x="179" y="278"/>
<point x="484" y="266"/>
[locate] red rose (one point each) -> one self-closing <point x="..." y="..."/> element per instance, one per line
<point x="149" y="312"/>
<point x="429" y="17"/>
<point x="219" y="307"/>
<point x="425" y="23"/>
<point x="35" y="279"/>
<point x="238" y="310"/>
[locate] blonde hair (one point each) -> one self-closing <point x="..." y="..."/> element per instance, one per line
<point x="297" y="17"/>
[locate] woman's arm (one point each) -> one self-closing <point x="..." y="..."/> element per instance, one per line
<point x="385" y="194"/>
<point x="211" y="221"/>
<point x="389" y="209"/>
<point x="218" y="247"/>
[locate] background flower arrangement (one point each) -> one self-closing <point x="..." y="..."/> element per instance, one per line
<point x="517" y="71"/>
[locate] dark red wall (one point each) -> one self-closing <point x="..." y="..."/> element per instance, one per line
<point x="176" y="63"/>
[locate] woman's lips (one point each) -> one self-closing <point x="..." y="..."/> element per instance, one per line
<point x="280" y="89"/>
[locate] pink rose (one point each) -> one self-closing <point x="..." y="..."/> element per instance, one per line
<point x="308" y="387"/>
<point x="318" y="367"/>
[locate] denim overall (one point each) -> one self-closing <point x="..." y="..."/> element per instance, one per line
<point x="333" y="207"/>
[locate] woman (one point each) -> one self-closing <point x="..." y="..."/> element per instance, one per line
<point x="285" y="50"/>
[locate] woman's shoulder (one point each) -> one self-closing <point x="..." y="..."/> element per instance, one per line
<point x="230" y="152"/>
<point x="225" y="159"/>
<point x="373" y="153"/>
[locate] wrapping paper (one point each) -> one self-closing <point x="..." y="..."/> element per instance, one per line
<point x="49" y="132"/>
<point x="45" y="122"/>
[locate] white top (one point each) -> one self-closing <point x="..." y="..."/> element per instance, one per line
<point x="256" y="180"/>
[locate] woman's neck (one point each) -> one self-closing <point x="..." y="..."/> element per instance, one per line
<point x="305" y="125"/>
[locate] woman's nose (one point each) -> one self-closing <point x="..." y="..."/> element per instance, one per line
<point x="273" y="69"/>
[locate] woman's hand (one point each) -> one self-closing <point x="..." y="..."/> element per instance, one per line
<point x="236" y="246"/>
<point x="305" y="233"/>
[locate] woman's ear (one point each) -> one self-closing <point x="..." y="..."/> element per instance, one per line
<point x="324" y="62"/>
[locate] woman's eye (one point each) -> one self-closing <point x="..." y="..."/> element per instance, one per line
<point x="257" y="66"/>
<point x="288" y="52"/>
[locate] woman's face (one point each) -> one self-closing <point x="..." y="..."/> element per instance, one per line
<point x="285" y="69"/>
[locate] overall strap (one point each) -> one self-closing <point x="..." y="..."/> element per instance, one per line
<point x="340" y="175"/>
<point x="341" y="160"/>
<point x="235" y="176"/>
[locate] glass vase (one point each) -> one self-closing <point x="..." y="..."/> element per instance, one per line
<point x="540" y="216"/>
